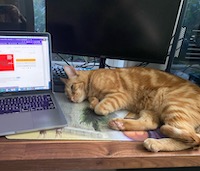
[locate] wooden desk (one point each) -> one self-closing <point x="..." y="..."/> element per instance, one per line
<point x="64" y="155"/>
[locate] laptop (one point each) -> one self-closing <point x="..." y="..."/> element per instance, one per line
<point x="27" y="102"/>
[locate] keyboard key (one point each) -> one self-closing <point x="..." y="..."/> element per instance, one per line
<point x="25" y="104"/>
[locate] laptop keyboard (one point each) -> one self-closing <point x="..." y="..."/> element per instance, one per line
<point x="26" y="104"/>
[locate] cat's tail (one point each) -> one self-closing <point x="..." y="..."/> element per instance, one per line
<point x="192" y="138"/>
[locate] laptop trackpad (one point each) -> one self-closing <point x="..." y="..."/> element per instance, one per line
<point x="46" y="119"/>
<point x="15" y="122"/>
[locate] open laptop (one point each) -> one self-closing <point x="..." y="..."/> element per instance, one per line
<point x="27" y="102"/>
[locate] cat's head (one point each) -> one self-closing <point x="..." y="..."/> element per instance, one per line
<point x="75" y="84"/>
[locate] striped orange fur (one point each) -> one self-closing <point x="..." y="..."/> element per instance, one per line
<point x="154" y="98"/>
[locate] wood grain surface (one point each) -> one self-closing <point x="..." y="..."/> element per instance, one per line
<point x="63" y="155"/>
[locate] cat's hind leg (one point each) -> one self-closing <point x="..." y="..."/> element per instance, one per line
<point x="181" y="135"/>
<point x="186" y="134"/>
<point x="165" y="144"/>
<point x="131" y="115"/>
<point x="147" y="121"/>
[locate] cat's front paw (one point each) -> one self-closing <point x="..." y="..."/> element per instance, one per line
<point x="93" y="102"/>
<point x="152" y="144"/>
<point x="101" y="109"/>
<point x="116" y="124"/>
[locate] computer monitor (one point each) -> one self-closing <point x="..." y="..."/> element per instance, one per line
<point x="136" y="30"/>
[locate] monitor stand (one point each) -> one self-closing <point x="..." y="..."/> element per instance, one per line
<point x="102" y="62"/>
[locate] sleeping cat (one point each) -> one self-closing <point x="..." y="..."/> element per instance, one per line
<point x="154" y="98"/>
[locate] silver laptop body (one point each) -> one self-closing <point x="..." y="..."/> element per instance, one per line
<point x="25" y="75"/>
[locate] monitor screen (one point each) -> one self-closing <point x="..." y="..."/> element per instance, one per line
<point x="24" y="59"/>
<point x="136" y="30"/>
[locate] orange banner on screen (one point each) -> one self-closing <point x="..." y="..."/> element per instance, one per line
<point x="26" y="60"/>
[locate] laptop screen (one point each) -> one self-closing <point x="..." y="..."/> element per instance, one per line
<point x="24" y="63"/>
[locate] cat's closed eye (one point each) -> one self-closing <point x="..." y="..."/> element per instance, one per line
<point x="72" y="87"/>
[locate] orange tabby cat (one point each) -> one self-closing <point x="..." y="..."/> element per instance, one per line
<point x="154" y="98"/>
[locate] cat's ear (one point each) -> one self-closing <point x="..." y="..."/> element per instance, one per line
<point x="70" y="71"/>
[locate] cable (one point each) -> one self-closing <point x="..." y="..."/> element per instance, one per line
<point x="142" y="64"/>
<point x="63" y="59"/>
<point x="88" y="65"/>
